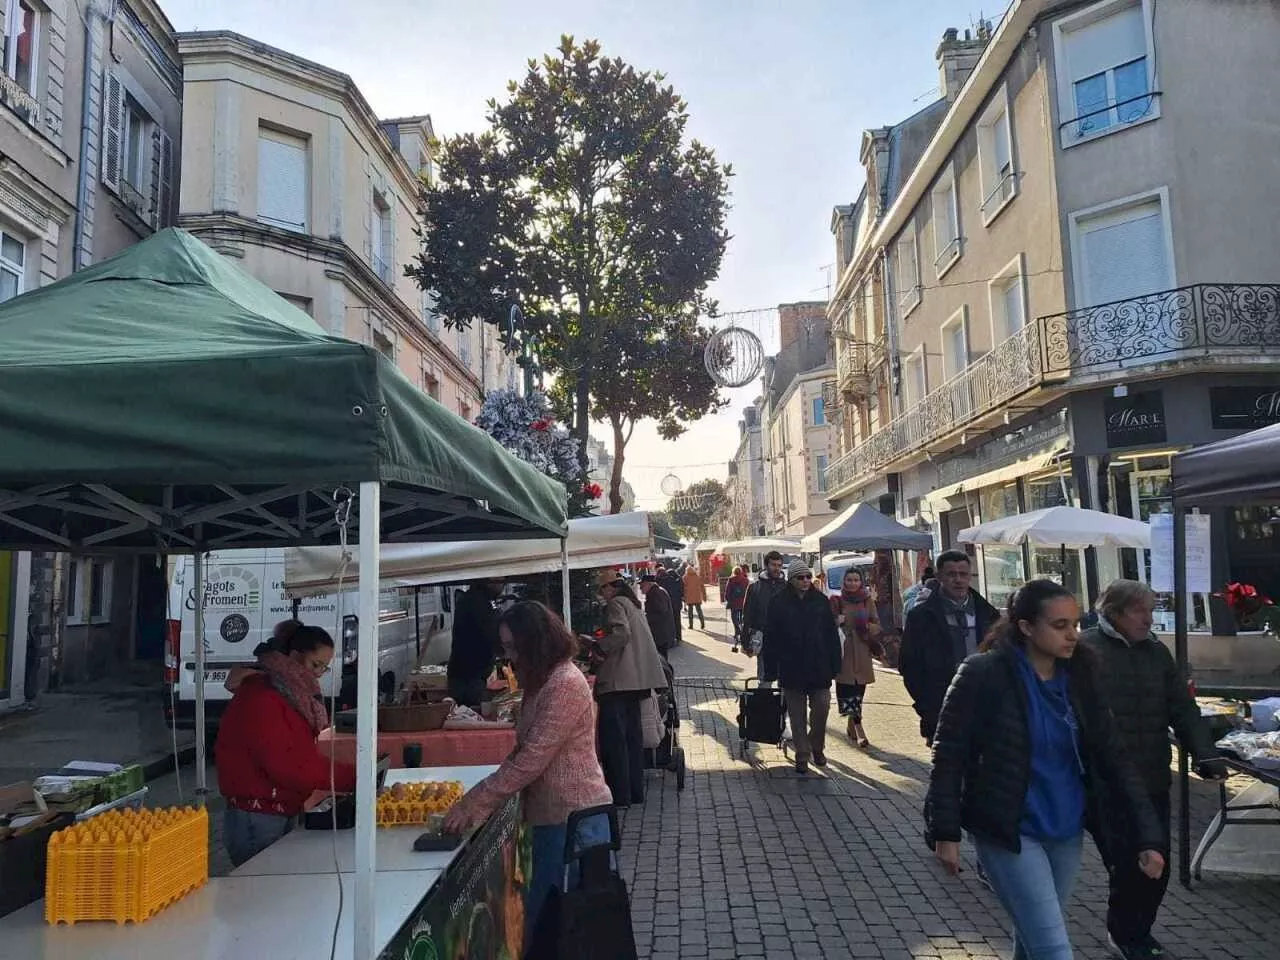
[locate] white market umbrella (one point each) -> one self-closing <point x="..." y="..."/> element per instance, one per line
<point x="1062" y="527"/>
<point x="759" y="545"/>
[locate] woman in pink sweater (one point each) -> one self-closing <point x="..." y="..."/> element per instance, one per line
<point x="554" y="762"/>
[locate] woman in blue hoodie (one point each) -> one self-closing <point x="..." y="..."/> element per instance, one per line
<point x="1024" y="748"/>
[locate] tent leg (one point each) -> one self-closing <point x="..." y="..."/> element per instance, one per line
<point x="198" y="574"/>
<point x="1180" y="652"/>
<point x="564" y="582"/>
<point x="367" y="723"/>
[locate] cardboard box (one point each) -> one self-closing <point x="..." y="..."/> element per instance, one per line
<point x="24" y="844"/>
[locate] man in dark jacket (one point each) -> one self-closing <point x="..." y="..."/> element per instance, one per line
<point x="939" y="633"/>
<point x="669" y="579"/>
<point x="658" y="612"/>
<point x="755" y="610"/>
<point x="1140" y="680"/>
<point x="802" y="649"/>
<point x="475" y="642"/>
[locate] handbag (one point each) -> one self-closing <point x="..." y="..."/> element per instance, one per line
<point x="589" y="919"/>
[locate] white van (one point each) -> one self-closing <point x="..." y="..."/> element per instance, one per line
<point x="244" y="600"/>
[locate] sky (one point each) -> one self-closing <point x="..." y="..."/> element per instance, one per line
<point x="780" y="90"/>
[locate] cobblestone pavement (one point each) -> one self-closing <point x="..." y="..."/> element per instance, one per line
<point x="752" y="861"/>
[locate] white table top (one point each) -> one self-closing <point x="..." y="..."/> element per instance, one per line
<point x="231" y="918"/>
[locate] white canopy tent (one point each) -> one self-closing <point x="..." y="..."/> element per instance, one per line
<point x="1063" y="527"/>
<point x="759" y="545"/>
<point x="592" y="542"/>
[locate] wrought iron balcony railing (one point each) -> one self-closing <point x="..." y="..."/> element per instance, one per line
<point x="1203" y="321"/>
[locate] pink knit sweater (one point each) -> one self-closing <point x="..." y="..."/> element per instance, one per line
<point x="554" y="761"/>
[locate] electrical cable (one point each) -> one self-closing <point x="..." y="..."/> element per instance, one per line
<point x="342" y="516"/>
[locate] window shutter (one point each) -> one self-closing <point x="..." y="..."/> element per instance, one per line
<point x="389" y="241"/>
<point x="1125" y="255"/>
<point x="112" y="130"/>
<point x="164" y="216"/>
<point x="157" y="164"/>
<point x="1106" y="43"/>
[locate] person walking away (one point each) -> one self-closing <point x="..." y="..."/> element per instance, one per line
<point x="266" y="755"/>
<point x="695" y="595"/>
<point x="802" y="649"/>
<point x="917" y="592"/>
<point x="1024" y="750"/>
<point x="855" y="609"/>
<point x="657" y="613"/>
<point x="939" y="633"/>
<point x="755" y="608"/>
<point x="735" y="598"/>
<point x="670" y="580"/>
<point x="1140" y="681"/>
<point x="475" y="642"/>
<point x="630" y="671"/>
<point x="553" y="766"/>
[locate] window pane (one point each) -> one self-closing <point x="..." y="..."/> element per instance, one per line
<point x="1011" y="301"/>
<point x="11" y="249"/>
<point x="8" y="285"/>
<point x="1000" y="140"/>
<point x="73" y="588"/>
<point x="1091" y="104"/>
<point x="97" y="591"/>
<point x="819" y="412"/>
<point x="1131" y="84"/>
<point x="25" y="47"/>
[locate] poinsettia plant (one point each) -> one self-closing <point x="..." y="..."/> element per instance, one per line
<point x="1252" y="609"/>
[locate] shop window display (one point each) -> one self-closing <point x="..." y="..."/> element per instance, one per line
<point x="1003" y="570"/>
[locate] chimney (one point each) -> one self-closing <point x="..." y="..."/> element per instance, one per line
<point x="957" y="57"/>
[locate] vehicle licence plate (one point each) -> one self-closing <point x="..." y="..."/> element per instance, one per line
<point x="216" y="676"/>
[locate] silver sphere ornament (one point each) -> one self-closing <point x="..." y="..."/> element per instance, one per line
<point x="671" y="485"/>
<point x="734" y="357"/>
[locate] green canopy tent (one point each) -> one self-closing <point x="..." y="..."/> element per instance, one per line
<point x="164" y="401"/>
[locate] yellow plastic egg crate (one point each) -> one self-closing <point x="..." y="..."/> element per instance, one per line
<point x="126" y="865"/>
<point x="411" y="803"/>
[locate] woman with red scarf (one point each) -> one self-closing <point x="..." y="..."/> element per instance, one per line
<point x="268" y="764"/>
<point x="735" y="598"/>
<point x="855" y="610"/>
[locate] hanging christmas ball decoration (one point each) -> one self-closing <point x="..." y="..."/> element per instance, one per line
<point x="671" y="485"/>
<point x="734" y="357"/>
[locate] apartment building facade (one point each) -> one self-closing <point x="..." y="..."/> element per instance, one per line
<point x="90" y="113"/>
<point x="1054" y="293"/>
<point x="744" y="513"/>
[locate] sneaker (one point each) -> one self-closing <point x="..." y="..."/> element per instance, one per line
<point x="819" y="759"/>
<point x="802" y="767"/>
<point x="1148" y="949"/>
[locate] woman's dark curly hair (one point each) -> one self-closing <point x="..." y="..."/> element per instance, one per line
<point x="542" y="642"/>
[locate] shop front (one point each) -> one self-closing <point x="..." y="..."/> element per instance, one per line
<point x="14" y="601"/>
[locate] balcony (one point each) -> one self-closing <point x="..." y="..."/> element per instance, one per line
<point x="1204" y="325"/>
<point x="855" y="361"/>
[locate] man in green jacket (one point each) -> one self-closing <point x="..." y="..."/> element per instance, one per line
<point x="1140" y="680"/>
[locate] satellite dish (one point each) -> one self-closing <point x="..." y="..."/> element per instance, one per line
<point x="671" y="485"/>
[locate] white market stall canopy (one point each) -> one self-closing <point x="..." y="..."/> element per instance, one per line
<point x="759" y="545"/>
<point x="593" y="542"/>
<point x="862" y="527"/>
<point x="1062" y="527"/>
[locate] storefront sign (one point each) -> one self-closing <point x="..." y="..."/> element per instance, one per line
<point x="1199" y="548"/>
<point x="1135" y="420"/>
<point x="477" y="908"/>
<point x="1005" y="450"/>
<point x="1244" y="408"/>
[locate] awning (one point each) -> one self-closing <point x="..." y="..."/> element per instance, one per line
<point x="1033" y="464"/>
<point x="593" y="542"/>
<point x="1240" y="469"/>
<point x="863" y="527"/>
<point x="759" y="545"/>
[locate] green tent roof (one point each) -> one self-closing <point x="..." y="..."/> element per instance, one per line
<point x="167" y="390"/>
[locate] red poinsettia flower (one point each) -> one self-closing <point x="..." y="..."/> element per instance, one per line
<point x="593" y="491"/>
<point x="541" y="425"/>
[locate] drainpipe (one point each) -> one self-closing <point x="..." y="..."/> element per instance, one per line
<point x="86" y="94"/>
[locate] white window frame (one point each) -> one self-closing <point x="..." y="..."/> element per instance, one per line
<point x="1014" y="271"/>
<point x="908" y="297"/>
<point x="381" y="238"/>
<point x="1114" y="206"/>
<point x="291" y="139"/>
<point x="961" y="319"/>
<point x="997" y="189"/>
<point x="79" y="607"/>
<point x="916" y="359"/>
<point x="946" y="249"/>
<point x="820" y="463"/>
<point x="11" y="266"/>
<point x="1065" y="81"/>
<point x="10" y="66"/>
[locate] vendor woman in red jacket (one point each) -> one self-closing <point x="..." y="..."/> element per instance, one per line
<point x="268" y="764"/>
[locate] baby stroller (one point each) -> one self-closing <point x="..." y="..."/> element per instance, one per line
<point x="668" y="754"/>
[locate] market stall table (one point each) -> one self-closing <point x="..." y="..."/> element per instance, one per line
<point x="1227" y="814"/>
<point x="440" y="748"/>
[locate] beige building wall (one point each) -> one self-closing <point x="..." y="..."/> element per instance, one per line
<point x="796" y="442"/>
<point x="345" y="263"/>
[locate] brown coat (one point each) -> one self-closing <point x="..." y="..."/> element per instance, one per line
<point x="857" y="664"/>
<point x="694" y="591"/>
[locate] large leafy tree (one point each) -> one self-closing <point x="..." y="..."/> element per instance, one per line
<point x="693" y="511"/>
<point x="585" y="204"/>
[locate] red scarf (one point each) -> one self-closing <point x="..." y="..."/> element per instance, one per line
<point x="296" y="684"/>
<point x="857" y="610"/>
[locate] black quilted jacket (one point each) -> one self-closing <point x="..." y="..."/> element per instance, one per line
<point x="1140" y="681"/>
<point x="801" y="641"/>
<point x="982" y="762"/>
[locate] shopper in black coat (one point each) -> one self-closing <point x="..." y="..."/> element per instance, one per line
<point x="802" y="649"/>
<point x="659" y="612"/>
<point x="670" y="581"/>
<point x="475" y="642"/>
<point x="1025" y="742"/>
<point x="939" y="633"/>
<point x="1148" y="696"/>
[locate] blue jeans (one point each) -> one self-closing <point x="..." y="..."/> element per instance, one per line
<point x="1034" y="886"/>
<point x="549" y="866"/>
<point x="247" y="834"/>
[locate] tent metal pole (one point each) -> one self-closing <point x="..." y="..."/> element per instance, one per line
<point x="1180" y="652"/>
<point x="198" y="574"/>
<point x="367" y="723"/>
<point x="564" y="582"/>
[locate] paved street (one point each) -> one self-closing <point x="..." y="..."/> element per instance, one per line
<point x="751" y="861"/>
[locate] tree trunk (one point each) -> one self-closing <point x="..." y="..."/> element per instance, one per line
<point x="582" y="419"/>
<point x="615" y="479"/>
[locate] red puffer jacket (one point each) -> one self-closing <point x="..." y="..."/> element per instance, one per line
<point x="266" y="754"/>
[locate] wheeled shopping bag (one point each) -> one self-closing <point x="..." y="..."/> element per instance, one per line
<point x="762" y="716"/>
